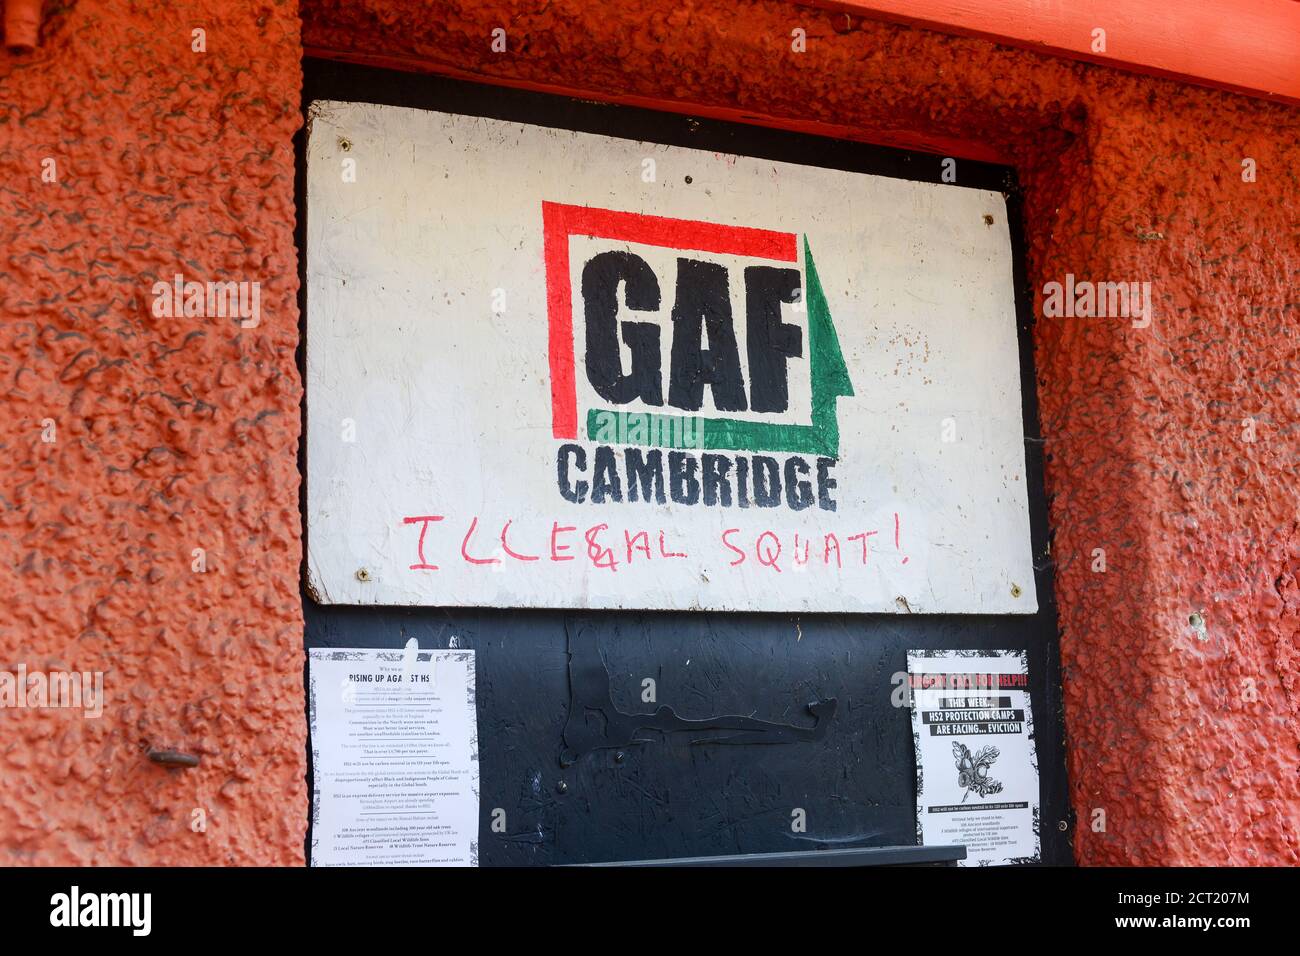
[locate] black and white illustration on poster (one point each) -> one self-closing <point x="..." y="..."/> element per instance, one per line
<point x="976" y="767"/>
<point x="394" y="747"/>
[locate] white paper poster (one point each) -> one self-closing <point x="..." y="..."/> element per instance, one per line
<point x="976" y="767"/>
<point x="547" y="368"/>
<point x="394" y="741"/>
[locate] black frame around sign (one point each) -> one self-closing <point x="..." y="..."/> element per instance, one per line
<point x="661" y="800"/>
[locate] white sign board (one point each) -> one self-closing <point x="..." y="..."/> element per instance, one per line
<point x="394" y="743"/>
<point x="976" y="766"/>
<point x="552" y="369"/>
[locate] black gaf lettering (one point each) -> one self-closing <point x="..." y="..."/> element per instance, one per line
<point x="703" y="302"/>
<point x="600" y="281"/>
<point x="769" y="341"/>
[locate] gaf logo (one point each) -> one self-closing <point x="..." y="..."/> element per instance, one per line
<point x="693" y="335"/>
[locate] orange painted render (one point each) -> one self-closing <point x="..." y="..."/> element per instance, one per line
<point x="170" y="435"/>
<point x="1251" y="46"/>
<point x="176" y="434"/>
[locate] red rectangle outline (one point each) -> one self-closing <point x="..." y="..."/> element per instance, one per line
<point x="560" y="221"/>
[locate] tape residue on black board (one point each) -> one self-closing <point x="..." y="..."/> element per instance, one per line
<point x="590" y="701"/>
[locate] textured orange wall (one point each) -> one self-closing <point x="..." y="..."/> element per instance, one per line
<point x="171" y="435"/>
<point x="1128" y="178"/>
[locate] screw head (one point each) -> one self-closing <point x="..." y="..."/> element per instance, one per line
<point x="1062" y="826"/>
<point x="562" y="787"/>
<point x="619" y="757"/>
<point x="363" y="574"/>
<point x="173" y="758"/>
<point x="1015" y="590"/>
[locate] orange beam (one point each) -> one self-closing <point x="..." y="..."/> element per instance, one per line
<point x="1247" y="46"/>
